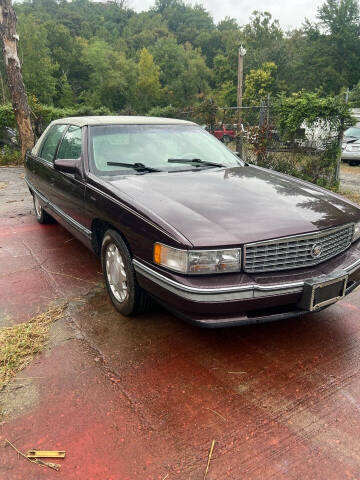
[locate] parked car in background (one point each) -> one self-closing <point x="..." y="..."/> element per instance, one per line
<point x="177" y="217"/>
<point x="225" y="133"/>
<point x="351" y="146"/>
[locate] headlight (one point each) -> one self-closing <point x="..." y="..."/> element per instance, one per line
<point x="198" y="261"/>
<point x="356" y="235"/>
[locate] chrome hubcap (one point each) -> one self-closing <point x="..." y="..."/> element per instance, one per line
<point x="115" y="272"/>
<point x="37" y="206"/>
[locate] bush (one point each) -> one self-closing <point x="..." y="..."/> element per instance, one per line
<point x="168" y="112"/>
<point x="9" y="156"/>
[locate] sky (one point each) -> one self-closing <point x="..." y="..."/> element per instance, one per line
<point x="290" y="13"/>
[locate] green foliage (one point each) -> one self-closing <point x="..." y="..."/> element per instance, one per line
<point x="309" y="107"/>
<point x="166" y="112"/>
<point x="317" y="167"/>
<point x="7" y="117"/>
<point x="92" y="53"/>
<point x="354" y="97"/>
<point x="38" y="68"/>
<point x="205" y="111"/>
<point x="226" y="95"/>
<point x="10" y="156"/>
<point x="327" y="116"/>
<point x="148" y="85"/>
<point x="259" y="84"/>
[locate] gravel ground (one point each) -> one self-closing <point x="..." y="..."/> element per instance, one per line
<point x="15" y="199"/>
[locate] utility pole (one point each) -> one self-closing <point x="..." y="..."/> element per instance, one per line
<point x="340" y="140"/>
<point x="242" y="53"/>
<point x="13" y="69"/>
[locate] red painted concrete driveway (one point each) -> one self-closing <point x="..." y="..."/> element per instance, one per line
<point x="143" y="398"/>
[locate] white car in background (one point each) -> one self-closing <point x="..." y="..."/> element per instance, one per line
<point x="351" y="146"/>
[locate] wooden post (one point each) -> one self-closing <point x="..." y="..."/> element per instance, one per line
<point x="239" y="139"/>
<point x="13" y="69"/>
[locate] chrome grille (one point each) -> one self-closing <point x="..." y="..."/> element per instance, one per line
<point x="297" y="251"/>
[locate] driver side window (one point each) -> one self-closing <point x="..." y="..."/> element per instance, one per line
<point x="51" y="142"/>
<point x="70" y="147"/>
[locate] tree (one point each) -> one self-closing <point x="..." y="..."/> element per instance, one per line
<point x="13" y="70"/>
<point x="183" y="72"/>
<point x="354" y="97"/>
<point x="330" y="54"/>
<point x="148" y="85"/>
<point x="340" y="19"/>
<point x="112" y="77"/>
<point x="226" y="95"/>
<point x="37" y="65"/>
<point x="259" y="83"/>
<point x="184" y="20"/>
<point x="265" y="42"/>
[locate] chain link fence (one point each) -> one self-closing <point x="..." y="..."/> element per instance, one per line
<point x="311" y="153"/>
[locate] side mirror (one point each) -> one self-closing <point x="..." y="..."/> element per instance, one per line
<point x="67" y="165"/>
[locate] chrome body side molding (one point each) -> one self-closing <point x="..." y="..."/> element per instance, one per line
<point x="74" y="223"/>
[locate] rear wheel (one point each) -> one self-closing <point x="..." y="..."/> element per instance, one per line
<point x="40" y="214"/>
<point x="226" y="139"/>
<point x="353" y="163"/>
<point x="125" y="293"/>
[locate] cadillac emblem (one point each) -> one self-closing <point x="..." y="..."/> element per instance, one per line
<point x="316" y="250"/>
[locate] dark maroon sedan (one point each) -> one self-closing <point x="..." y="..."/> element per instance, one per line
<point x="177" y="217"/>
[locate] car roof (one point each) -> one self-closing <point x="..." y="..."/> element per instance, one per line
<point x="120" y="120"/>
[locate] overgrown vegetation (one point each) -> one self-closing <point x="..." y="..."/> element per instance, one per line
<point x="20" y="343"/>
<point x="9" y="156"/>
<point x="308" y="131"/>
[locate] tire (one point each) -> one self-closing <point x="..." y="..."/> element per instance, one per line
<point x="120" y="279"/>
<point x="226" y="139"/>
<point x="353" y="163"/>
<point x="40" y="214"/>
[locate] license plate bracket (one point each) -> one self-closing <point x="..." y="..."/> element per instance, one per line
<point x="323" y="291"/>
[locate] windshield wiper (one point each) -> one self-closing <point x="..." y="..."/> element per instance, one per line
<point x="195" y="162"/>
<point x="139" y="167"/>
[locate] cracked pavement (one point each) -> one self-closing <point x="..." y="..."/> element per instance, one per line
<point x="144" y="398"/>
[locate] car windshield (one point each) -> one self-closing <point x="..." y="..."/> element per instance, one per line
<point x="153" y="146"/>
<point x="352" y="132"/>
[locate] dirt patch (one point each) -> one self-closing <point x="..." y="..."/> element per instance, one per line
<point x="3" y="185"/>
<point x="349" y="179"/>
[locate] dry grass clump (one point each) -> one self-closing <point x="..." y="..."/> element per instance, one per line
<point x="351" y="169"/>
<point x="353" y="196"/>
<point x="20" y="343"/>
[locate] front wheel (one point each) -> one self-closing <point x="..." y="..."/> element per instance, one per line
<point x="125" y="293"/>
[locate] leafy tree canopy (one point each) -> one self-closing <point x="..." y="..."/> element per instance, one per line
<point x="95" y="54"/>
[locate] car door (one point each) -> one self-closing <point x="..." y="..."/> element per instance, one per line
<point x="69" y="189"/>
<point x="41" y="166"/>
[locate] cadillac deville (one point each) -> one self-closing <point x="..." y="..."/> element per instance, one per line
<point x="177" y="217"/>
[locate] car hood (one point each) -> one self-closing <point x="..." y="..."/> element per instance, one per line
<point x="234" y="206"/>
<point x="351" y="139"/>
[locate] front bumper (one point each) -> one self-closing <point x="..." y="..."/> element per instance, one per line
<point x="242" y="298"/>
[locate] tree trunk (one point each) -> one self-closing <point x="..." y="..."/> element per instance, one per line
<point x="13" y="69"/>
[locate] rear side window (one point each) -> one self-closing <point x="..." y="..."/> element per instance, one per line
<point x="51" y="142"/>
<point x="70" y="147"/>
